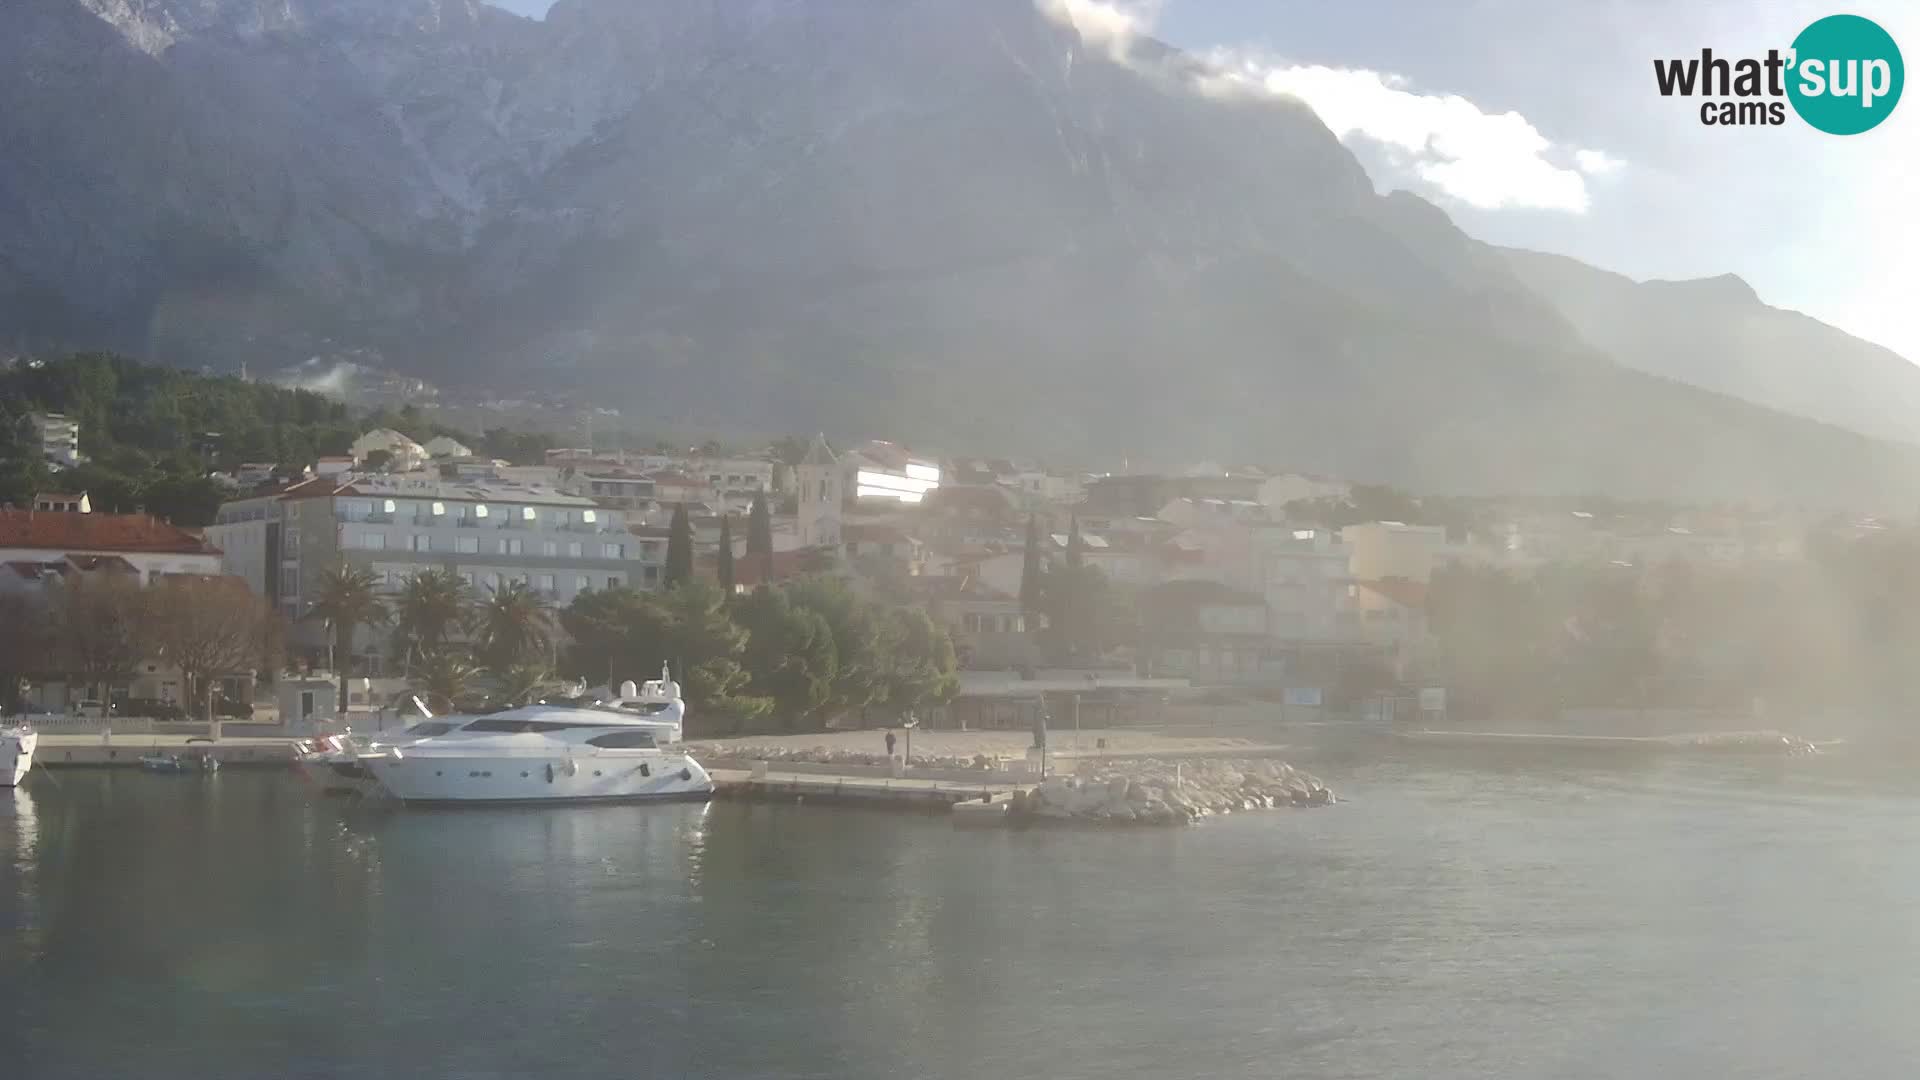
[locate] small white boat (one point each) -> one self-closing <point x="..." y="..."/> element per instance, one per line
<point x="16" y="754"/>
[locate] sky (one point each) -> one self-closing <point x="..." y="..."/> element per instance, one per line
<point x="1538" y="125"/>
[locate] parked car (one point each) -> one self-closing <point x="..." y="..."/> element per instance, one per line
<point x="228" y="708"/>
<point x="152" y="708"/>
<point x="94" y="709"/>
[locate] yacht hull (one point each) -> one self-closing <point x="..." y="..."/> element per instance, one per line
<point x="450" y="778"/>
<point x="16" y="756"/>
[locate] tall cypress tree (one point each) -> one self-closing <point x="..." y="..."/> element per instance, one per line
<point x="1076" y="547"/>
<point x="1031" y="569"/>
<point x="726" y="554"/>
<point x="759" y="527"/>
<point x="679" y="548"/>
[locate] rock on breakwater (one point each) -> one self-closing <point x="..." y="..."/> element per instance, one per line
<point x="1154" y="792"/>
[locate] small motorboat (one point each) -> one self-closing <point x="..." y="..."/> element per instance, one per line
<point x="176" y="763"/>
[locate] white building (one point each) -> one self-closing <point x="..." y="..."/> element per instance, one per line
<point x="1392" y="549"/>
<point x="149" y="547"/>
<point x="58" y="437"/>
<point x="1278" y="490"/>
<point x="882" y="473"/>
<point x="490" y="533"/>
<point x="446" y="446"/>
<point x="403" y="453"/>
<point x="50" y="502"/>
<point x="821" y="482"/>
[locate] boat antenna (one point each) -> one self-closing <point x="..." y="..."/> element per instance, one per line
<point x="422" y="706"/>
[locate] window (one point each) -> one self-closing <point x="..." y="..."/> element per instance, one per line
<point x="466" y="578"/>
<point x="513" y="546"/>
<point x="650" y="575"/>
<point x="588" y="516"/>
<point x="480" y="510"/>
<point x="289" y="580"/>
<point x="624" y="740"/>
<point x="529" y="515"/>
<point x="550" y="548"/>
<point x="422" y="542"/>
<point x="583" y="583"/>
<point x="427" y="729"/>
<point x="493" y="582"/>
<point x="613" y="551"/>
<point x="290" y="542"/>
<point x="573" y="549"/>
<point x="373" y="541"/>
<point x="467" y="545"/>
<point x="439" y="509"/>
<point x="511" y="726"/>
<point x="544" y="583"/>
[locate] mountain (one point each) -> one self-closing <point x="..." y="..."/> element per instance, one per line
<point x="954" y="222"/>
<point x="1717" y="334"/>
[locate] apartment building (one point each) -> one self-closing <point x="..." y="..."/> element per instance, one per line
<point x="490" y="533"/>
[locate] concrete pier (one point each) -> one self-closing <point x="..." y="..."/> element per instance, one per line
<point x="125" y="751"/>
<point x="840" y="789"/>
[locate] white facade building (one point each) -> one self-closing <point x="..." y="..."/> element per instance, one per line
<point x="58" y="437"/>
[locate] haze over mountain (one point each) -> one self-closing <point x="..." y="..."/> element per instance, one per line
<point x="944" y="221"/>
<point x="1716" y="333"/>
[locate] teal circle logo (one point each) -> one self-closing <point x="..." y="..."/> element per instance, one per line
<point x="1846" y="74"/>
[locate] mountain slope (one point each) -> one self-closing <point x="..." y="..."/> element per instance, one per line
<point x="949" y="221"/>
<point x="1717" y="334"/>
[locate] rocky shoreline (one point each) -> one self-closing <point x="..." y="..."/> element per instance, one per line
<point x="1151" y="791"/>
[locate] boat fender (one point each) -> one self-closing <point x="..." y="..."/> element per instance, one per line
<point x="644" y="771"/>
<point x="686" y="774"/>
<point x="571" y="768"/>
<point x="549" y="772"/>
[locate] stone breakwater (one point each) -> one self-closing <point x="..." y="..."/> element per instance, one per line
<point x="1154" y="792"/>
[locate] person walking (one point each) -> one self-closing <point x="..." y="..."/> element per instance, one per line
<point x="889" y="744"/>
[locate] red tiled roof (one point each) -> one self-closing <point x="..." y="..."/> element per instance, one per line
<point x="113" y="563"/>
<point x="1406" y="593"/>
<point x="142" y="533"/>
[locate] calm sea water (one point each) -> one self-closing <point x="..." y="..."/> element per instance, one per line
<point x="1696" y="919"/>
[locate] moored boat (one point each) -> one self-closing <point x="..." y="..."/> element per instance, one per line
<point x="625" y="749"/>
<point x="16" y="754"/>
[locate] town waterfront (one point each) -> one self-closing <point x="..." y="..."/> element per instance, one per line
<point x="1678" y="917"/>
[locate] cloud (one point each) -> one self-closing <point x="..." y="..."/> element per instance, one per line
<point x="1104" y="24"/>
<point x="1487" y="160"/>
<point x="1597" y="162"/>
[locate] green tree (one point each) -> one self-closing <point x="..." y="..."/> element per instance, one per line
<point x="920" y="665"/>
<point x="723" y="569"/>
<point x="512" y="627"/>
<point x="679" y="568"/>
<point x="859" y="673"/>
<point x="759" y="527"/>
<point x="1076" y="545"/>
<point x="789" y="656"/>
<point x="523" y="683"/>
<point x="443" y="677"/>
<point x="432" y="607"/>
<point x="1032" y="570"/>
<point x="346" y="599"/>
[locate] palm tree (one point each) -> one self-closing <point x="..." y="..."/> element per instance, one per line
<point x="431" y="607"/>
<point x="443" y="676"/>
<point x="523" y="683"/>
<point x="512" y="626"/>
<point x="348" y="598"/>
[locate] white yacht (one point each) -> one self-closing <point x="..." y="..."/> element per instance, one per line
<point x="16" y="754"/>
<point x="616" y="750"/>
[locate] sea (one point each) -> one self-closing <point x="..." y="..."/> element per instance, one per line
<point x="1685" y="916"/>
